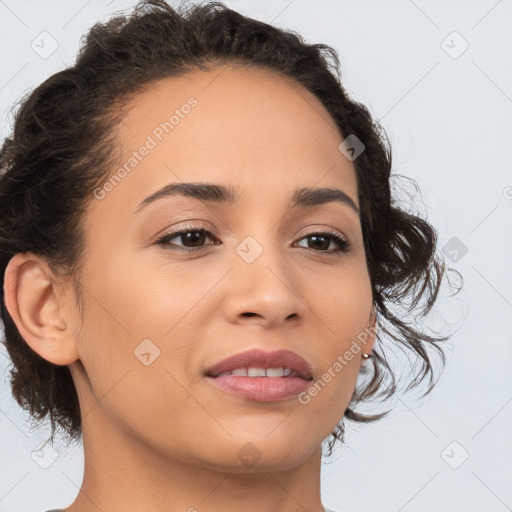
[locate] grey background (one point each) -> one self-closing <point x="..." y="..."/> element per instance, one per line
<point x="448" y="113"/>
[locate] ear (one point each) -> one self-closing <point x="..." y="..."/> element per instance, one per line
<point x="39" y="306"/>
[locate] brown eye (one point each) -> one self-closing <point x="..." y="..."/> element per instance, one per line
<point x="191" y="238"/>
<point x="194" y="239"/>
<point x="322" y="241"/>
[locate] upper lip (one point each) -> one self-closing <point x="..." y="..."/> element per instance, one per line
<point x="257" y="358"/>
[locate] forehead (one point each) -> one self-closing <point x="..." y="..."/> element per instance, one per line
<point x="239" y="106"/>
<point x="246" y="127"/>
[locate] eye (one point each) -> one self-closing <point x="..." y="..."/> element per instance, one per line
<point x="192" y="239"/>
<point x="192" y="235"/>
<point x="324" y="239"/>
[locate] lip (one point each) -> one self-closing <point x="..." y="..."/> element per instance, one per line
<point x="264" y="359"/>
<point x="260" y="389"/>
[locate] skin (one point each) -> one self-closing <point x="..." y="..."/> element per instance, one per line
<point x="160" y="437"/>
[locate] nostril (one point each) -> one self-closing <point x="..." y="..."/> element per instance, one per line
<point x="249" y="314"/>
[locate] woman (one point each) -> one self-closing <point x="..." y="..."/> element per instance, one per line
<point x="204" y="372"/>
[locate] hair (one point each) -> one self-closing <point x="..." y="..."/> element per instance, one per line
<point x="62" y="147"/>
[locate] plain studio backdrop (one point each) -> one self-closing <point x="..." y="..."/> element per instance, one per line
<point x="437" y="76"/>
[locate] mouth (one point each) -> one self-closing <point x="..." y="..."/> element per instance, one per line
<point x="259" y="363"/>
<point x="258" y="372"/>
<point x="262" y="376"/>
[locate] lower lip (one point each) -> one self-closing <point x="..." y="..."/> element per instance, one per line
<point x="261" y="389"/>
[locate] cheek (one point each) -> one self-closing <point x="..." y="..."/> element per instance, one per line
<point x="133" y="300"/>
<point x="136" y="380"/>
<point x="342" y="304"/>
<point x="136" y="342"/>
<point x="341" y="298"/>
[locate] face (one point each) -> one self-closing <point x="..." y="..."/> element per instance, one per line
<point x="161" y="308"/>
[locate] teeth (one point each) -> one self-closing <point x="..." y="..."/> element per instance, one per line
<point x="258" y="372"/>
<point x="275" y="372"/>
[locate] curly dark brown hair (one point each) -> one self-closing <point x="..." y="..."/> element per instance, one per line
<point x="62" y="147"/>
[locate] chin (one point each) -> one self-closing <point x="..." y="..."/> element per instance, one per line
<point x="253" y="454"/>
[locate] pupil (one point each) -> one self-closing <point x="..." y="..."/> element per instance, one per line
<point x="326" y="242"/>
<point x="189" y="236"/>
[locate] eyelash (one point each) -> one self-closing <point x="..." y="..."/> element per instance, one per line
<point x="344" y="245"/>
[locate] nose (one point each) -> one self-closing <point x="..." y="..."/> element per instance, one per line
<point x="265" y="291"/>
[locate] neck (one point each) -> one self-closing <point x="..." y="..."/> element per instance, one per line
<point x="123" y="473"/>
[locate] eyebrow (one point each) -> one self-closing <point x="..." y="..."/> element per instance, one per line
<point x="210" y="192"/>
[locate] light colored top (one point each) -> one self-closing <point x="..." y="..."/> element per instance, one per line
<point x="59" y="510"/>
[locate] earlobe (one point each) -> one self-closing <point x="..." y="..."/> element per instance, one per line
<point x="34" y="302"/>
